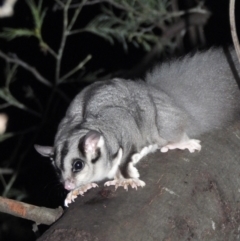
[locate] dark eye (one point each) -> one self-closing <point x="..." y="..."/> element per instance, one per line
<point x="78" y="165"/>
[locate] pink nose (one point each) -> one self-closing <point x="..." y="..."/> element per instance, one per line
<point x="69" y="185"/>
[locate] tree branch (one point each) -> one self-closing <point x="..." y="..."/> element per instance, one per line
<point x="233" y="28"/>
<point x="40" y="215"/>
<point x="192" y="20"/>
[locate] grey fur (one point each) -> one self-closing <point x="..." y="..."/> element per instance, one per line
<point x="203" y="86"/>
<point x="182" y="98"/>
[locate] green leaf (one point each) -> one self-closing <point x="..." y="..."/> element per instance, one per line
<point x="12" y="33"/>
<point x="37" y="13"/>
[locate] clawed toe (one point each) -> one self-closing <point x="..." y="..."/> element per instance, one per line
<point x="191" y="144"/>
<point x="134" y="183"/>
<point x="79" y="191"/>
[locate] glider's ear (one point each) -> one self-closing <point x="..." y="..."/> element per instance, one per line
<point x="44" y="150"/>
<point x="91" y="141"/>
<point x="89" y="144"/>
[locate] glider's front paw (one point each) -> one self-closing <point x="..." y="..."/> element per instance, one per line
<point x="78" y="191"/>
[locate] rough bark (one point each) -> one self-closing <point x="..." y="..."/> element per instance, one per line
<point x="186" y="197"/>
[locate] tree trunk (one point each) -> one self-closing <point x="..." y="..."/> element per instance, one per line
<point x="186" y="197"/>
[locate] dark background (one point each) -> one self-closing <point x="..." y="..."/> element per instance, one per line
<point x="36" y="177"/>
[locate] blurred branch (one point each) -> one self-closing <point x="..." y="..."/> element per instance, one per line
<point x="5" y="136"/>
<point x="233" y="28"/>
<point x="9" y="185"/>
<point x="192" y="20"/>
<point x="6" y="171"/>
<point x="40" y="215"/>
<point x="5" y="105"/>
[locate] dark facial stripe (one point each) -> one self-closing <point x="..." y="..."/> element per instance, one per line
<point x="115" y="154"/>
<point x="64" y="152"/>
<point x="81" y="146"/>
<point x="57" y="170"/>
<point x="94" y="160"/>
<point x="53" y="159"/>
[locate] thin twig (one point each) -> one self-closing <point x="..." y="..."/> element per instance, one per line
<point x="60" y="3"/>
<point x="13" y="102"/>
<point x="88" y="3"/>
<point x="63" y="95"/>
<point x="3" y="182"/>
<point x="63" y="40"/>
<point x="40" y="215"/>
<point x="10" y="184"/>
<point x="10" y="74"/>
<point x="50" y="50"/>
<point x="33" y="112"/>
<point x="78" y="67"/>
<point x="76" y="31"/>
<point x="76" y="14"/>
<point x="26" y="66"/>
<point x="233" y="28"/>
